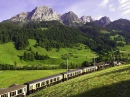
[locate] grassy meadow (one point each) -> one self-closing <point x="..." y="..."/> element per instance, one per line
<point x="125" y="49"/>
<point x="9" y="77"/>
<point x="111" y="82"/>
<point x="77" y="54"/>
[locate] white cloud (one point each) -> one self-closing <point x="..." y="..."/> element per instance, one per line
<point x="126" y="12"/>
<point x="122" y="1"/>
<point x="112" y="7"/>
<point x="124" y="7"/>
<point x="103" y="3"/>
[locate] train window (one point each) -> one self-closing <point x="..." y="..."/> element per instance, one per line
<point x="19" y="91"/>
<point x="12" y="93"/>
<point x="43" y="83"/>
<point x="4" y="95"/>
<point x="47" y="82"/>
<point x="58" y="78"/>
<point x="38" y="85"/>
<point x="51" y="80"/>
<point x="54" y="79"/>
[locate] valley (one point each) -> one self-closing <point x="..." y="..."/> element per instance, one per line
<point x="94" y="53"/>
<point x="77" y="54"/>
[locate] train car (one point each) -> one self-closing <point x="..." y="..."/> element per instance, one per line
<point x="14" y="91"/>
<point x="89" y="69"/>
<point x="102" y="65"/>
<point x="71" y="74"/>
<point x="38" y="84"/>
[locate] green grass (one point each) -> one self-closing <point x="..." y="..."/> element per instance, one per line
<point x="125" y="49"/>
<point x="104" y="31"/>
<point x="9" y="54"/>
<point x="8" y="78"/>
<point x="43" y="28"/>
<point x="112" y="82"/>
<point x="116" y="36"/>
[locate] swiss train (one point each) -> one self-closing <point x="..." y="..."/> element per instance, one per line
<point x="35" y="85"/>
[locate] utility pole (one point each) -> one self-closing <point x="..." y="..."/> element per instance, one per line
<point x="94" y="60"/>
<point x="67" y="67"/>
<point x="114" y="61"/>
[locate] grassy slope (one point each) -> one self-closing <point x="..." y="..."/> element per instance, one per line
<point x="9" y="54"/>
<point x="112" y="82"/>
<point x="8" y="78"/>
<point x="125" y="49"/>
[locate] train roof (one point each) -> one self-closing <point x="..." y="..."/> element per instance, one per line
<point x="89" y="67"/>
<point x="70" y="71"/>
<point x="100" y="63"/>
<point x="42" y="79"/>
<point x="11" y="88"/>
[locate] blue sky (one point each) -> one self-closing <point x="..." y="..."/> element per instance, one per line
<point x="115" y="9"/>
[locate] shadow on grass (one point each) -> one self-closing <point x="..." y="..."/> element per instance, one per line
<point x="121" y="89"/>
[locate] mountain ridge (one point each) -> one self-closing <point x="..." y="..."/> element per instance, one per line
<point x="46" y="13"/>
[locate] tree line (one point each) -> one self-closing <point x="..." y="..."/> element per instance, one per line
<point x="31" y="56"/>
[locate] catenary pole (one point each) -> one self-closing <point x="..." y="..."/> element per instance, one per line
<point x="67" y="67"/>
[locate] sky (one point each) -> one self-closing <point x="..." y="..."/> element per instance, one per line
<point x="114" y="9"/>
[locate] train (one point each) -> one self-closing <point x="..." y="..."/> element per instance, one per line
<point x="38" y="84"/>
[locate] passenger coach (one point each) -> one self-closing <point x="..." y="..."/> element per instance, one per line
<point x="89" y="69"/>
<point x="38" y="84"/>
<point x="14" y="91"/>
<point x="72" y="73"/>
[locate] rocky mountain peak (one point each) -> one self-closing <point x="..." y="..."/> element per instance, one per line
<point x="87" y="19"/>
<point x="43" y="13"/>
<point x="46" y="13"/>
<point x="40" y="13"/>
<point x="104" y="21"/>
<point x="20" y="17"/>
<point x="71" y="12"/>
<point x="70" y="18"/>
<point x="42" y="7"/>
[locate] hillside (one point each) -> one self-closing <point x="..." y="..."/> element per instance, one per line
<point x="112" y="82"/>
<point x="49" y="43"/>
<point x="77" y="54"/>
<point x="121" y="27"/>
<point x="53" y="42"/>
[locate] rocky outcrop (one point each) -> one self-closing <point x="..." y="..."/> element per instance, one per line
<point x="42" y="13"/>
<point x="87" y="19"/>
<point x="22" y="17"/>
<point x="103" y="21"/>
<point x="71" y="19"/>
<point x="45" y="13"/>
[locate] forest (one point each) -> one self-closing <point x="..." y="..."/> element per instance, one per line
<point x="53" y="34"/>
